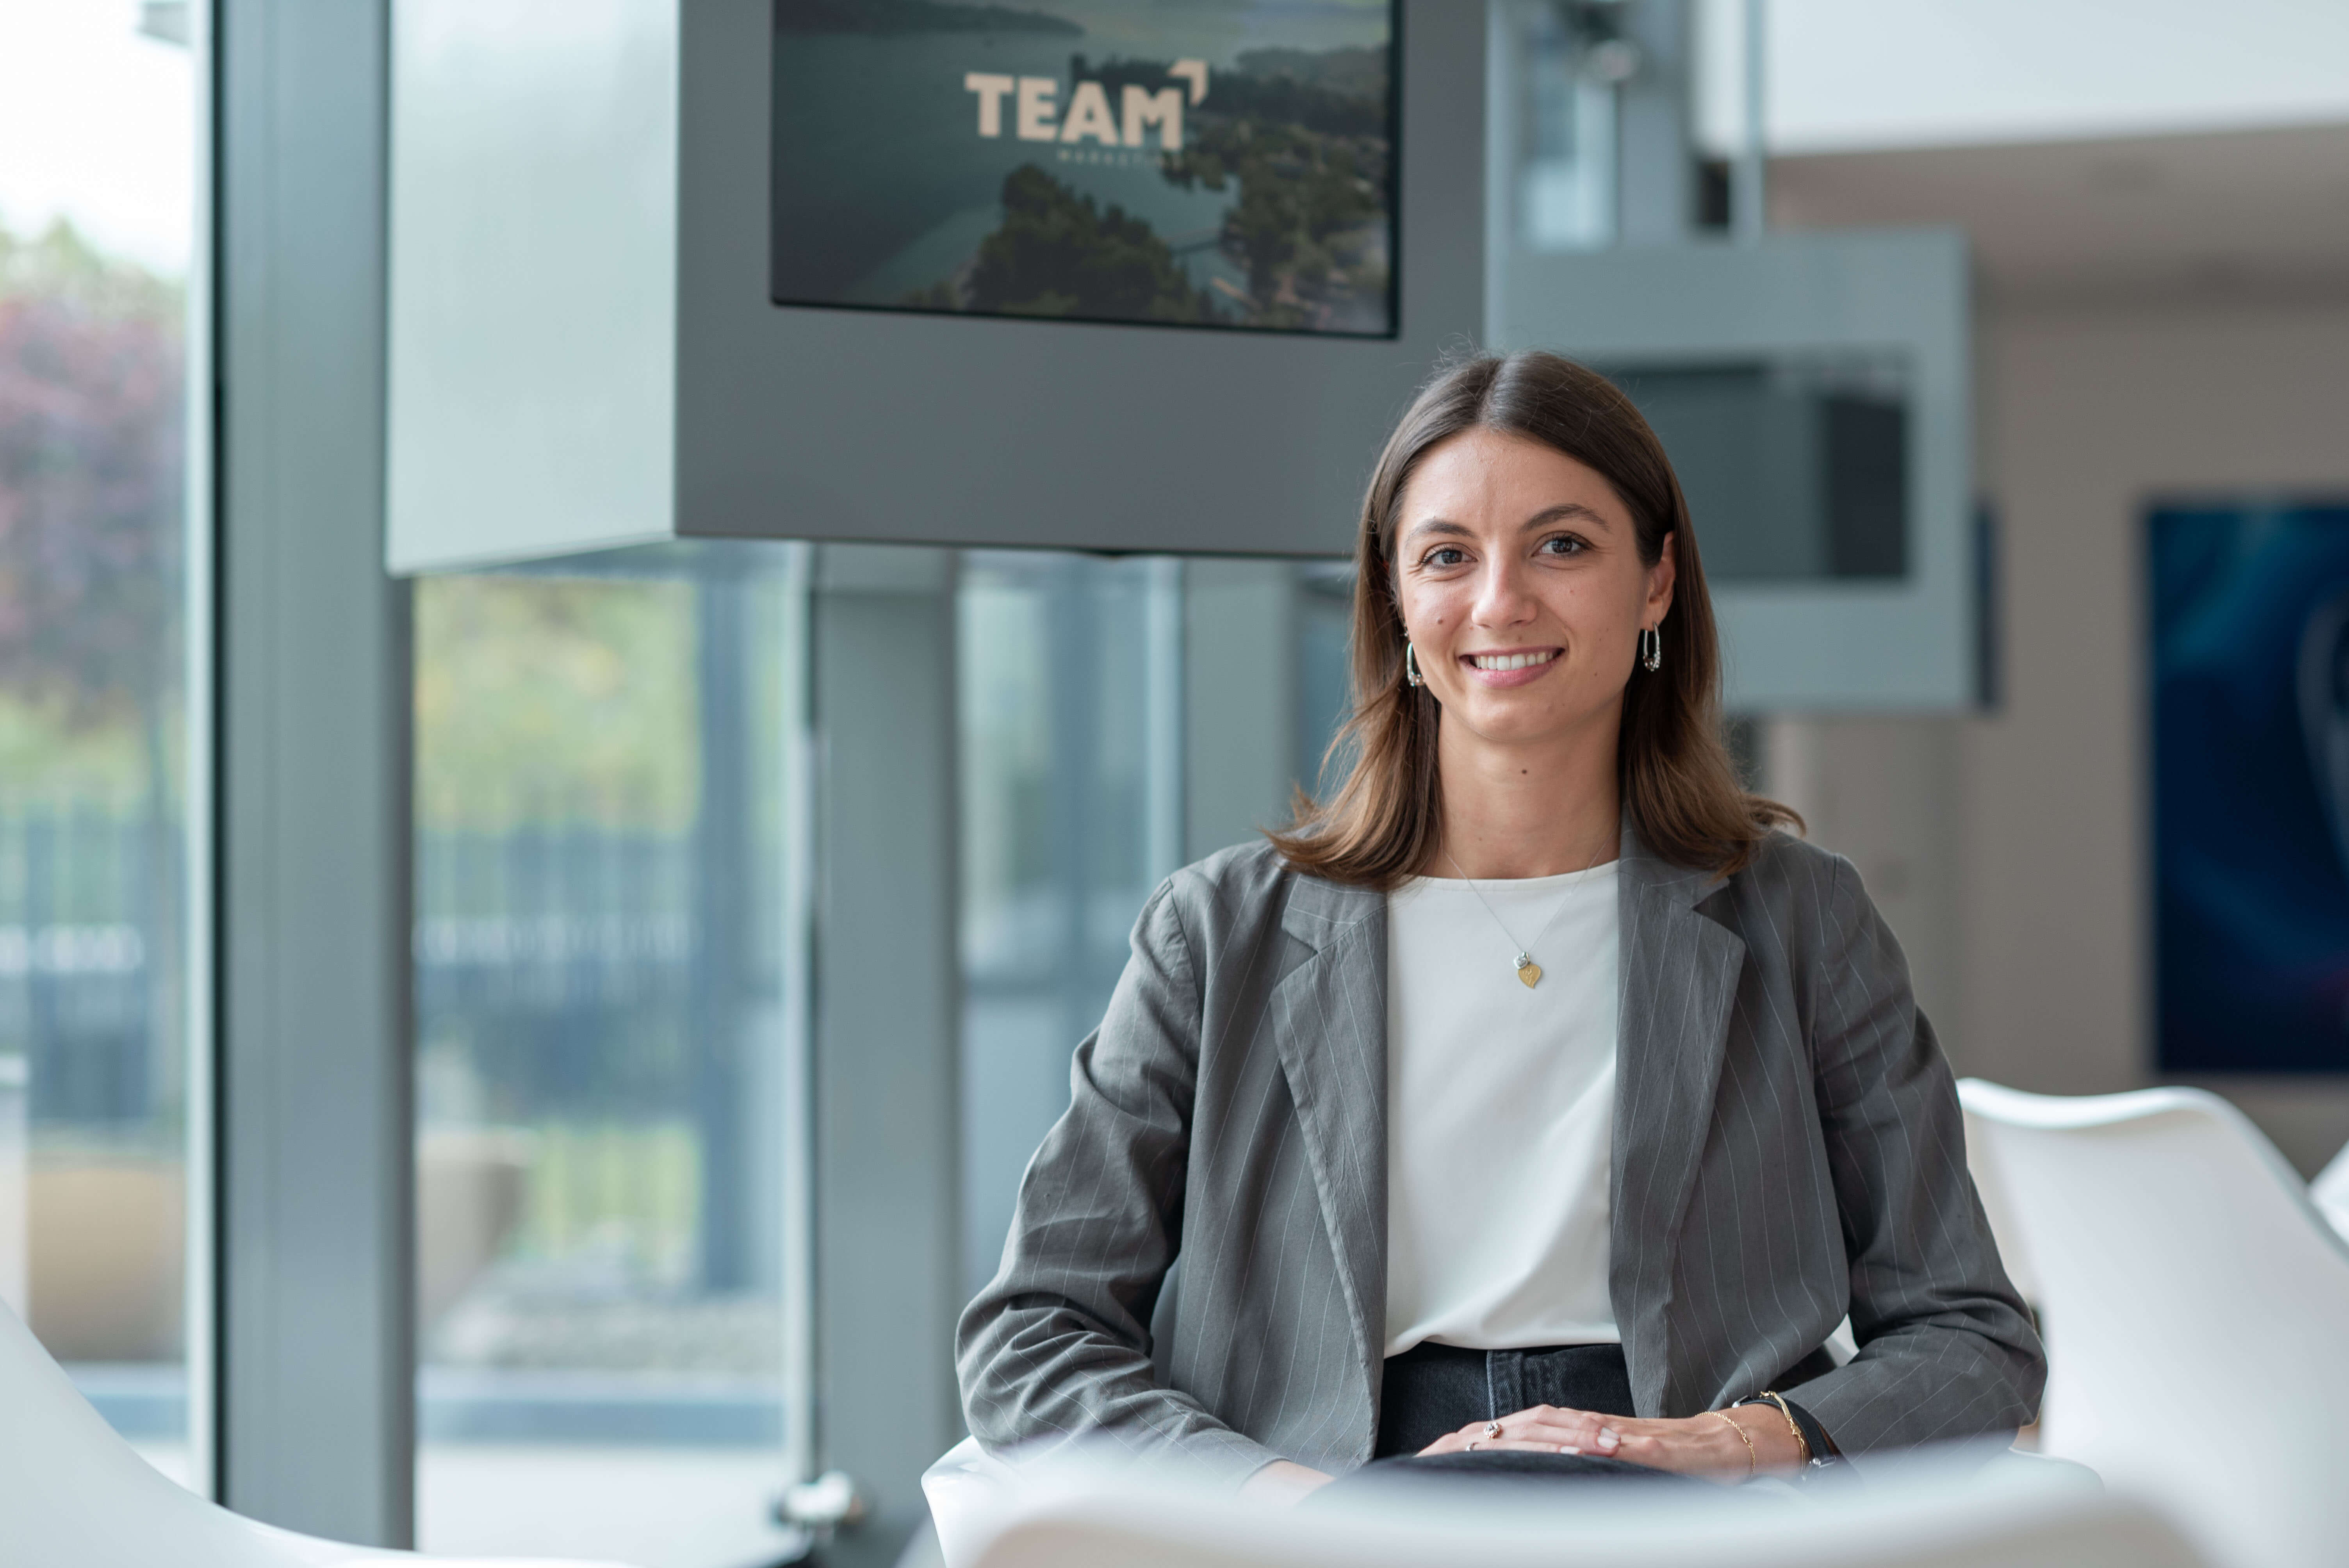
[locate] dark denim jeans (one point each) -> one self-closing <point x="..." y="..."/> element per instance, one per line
<point x="1432" y="1390"/>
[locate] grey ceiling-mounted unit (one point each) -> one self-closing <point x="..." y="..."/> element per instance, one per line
<point x="1105" y="274"/>
<point x="1815" y="393"/>
<point x="1814" y="388"/>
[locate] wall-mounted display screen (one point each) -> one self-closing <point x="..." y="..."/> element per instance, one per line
<point x="2249" y="623"/>
<point x="1222" y="163"/>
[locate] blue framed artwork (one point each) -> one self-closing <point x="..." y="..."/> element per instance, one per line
<point x="2249" y="623"/>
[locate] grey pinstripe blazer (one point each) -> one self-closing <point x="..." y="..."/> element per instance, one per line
<point x="1788" y="1148"/>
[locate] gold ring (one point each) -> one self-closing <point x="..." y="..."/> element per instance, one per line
<point x="1492" y="1429"/>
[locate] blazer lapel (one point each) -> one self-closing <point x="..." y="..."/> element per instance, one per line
<point x="1329" y="1021"/>
<point x="1680" y="972"/>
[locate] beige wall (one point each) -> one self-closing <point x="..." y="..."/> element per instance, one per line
<point x="2007" y="850"/>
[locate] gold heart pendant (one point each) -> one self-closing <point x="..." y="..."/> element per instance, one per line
<point x="1530" y="973"/>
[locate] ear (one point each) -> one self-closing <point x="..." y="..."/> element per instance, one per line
<point x="1661" y="576"/>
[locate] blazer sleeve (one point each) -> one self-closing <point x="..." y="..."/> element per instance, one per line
<point x="1946" y="1348"/>
<point x="1056" y="1348"/>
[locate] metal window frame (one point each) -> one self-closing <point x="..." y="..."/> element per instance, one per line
<point x="312" y="1331"/>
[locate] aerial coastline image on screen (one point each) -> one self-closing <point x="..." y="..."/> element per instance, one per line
<point x="1221" y="163"/>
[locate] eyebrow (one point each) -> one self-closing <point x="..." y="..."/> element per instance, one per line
<point x="1542" y="519"/>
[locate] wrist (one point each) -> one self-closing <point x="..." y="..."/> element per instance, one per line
<point x="1284" y="1481"/>
<point x="1776" y="1448"/>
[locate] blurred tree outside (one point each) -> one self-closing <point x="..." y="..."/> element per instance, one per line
<point x="556" y="743"/>
<point x="546" y="700"/>
<point x="93" y="410"/>
<point x="92" y="448"/>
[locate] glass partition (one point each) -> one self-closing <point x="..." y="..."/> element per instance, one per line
<point x="606" y="998"/>
<point x="1117" y="718"/>
<point x="613" y="856"/>
<point x="98" y="228"/>
<point x="1068" y="690"/>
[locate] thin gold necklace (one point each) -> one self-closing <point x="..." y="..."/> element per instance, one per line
<point x="1528" y="972"/>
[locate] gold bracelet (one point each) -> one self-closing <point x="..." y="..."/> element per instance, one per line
<point x="1794" y="1428"/>
<point x="1740" y="1437"/>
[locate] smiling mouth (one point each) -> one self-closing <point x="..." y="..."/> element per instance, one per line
<point x="1512" y="661"/>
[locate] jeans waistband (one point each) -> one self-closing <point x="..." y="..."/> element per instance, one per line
<point x="1432" y="1390"/>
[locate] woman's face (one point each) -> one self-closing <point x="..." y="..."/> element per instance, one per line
<point x="1521" y="588"/>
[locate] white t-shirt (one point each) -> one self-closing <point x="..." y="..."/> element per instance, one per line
<point x="1500" y="1112"/>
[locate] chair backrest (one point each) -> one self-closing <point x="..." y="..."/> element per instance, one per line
<point x="73" y="1494"/>
<point x="2196" y="1308"/>
<point x="1949" y="1523"/>
<point x="2330" y="1193"/>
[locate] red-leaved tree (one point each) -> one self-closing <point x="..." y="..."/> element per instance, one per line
<point x="92" y="401"/>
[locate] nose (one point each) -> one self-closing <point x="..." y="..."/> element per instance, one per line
<point x="1504" y="595"/>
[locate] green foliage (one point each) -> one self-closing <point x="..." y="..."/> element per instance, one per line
<point x="1342" y="93"/>
<point x="636" y="1187"/>
<point x="1058" y="253"/>
<point x="1305" y="135"/>
<point x="51" y="754"/>
<point x="1305" y="226"/>
<point x="546" y="699"/>
<point x="62" y="265"/>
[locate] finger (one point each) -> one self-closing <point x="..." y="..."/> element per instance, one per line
<point x="1450" y="1443"/>
<point x="1560" y="1416"/>
<point x="1551" y="1434"/>
<point x="1594" y="1431"/>
<point x="1545" y="1419"/>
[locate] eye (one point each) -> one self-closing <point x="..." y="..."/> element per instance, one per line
<point x="1443" y="556"/>
<point x="1564" y="544"/>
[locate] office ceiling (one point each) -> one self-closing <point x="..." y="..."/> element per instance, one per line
<point x="2252" y="213"/>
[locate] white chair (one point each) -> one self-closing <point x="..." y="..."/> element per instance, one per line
<point x="1916" y="1513"/>
<point x="2330" y="1193"/>
<point x="2196" y="1308"/>
<point x="73" y="1494"/>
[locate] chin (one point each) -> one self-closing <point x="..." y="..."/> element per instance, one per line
<point x="1512" y="724"/>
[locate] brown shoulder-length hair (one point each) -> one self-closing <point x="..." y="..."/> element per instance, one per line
<point x="1678" y="787"/>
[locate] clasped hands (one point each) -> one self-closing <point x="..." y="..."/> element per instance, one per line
<point x="1694" y="1445"/>
<point x="1725" y="1446"/>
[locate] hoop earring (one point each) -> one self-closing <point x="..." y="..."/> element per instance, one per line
<point x="1411" y="664"/>
<point x="1651" y="647"/>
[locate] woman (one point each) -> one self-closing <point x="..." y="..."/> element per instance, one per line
<point x="1536" y="1100"/>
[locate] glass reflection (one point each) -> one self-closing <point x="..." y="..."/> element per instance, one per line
<point x="1117" y="718"/>
<point x="603" y="814"/>
<point x="609" y="863"/>
<point x="1068" y="687"/>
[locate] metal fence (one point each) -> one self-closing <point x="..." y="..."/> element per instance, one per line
<point x="560" y="958"/>
<point x="89" y="962"/>
<point x="559" y="962"/>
